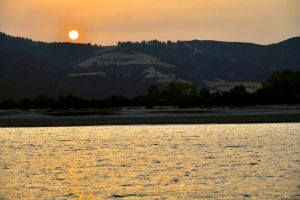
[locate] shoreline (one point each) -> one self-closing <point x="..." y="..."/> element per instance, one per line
<point x="157" y="120"/>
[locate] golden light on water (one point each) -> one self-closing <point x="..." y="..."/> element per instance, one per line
<point x="73" y="35"/>
<point x="151" y="162"/>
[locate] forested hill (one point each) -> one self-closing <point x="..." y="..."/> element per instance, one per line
<point x="29" y="68"/>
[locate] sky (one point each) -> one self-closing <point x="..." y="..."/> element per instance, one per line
<point x="108" y="21"/>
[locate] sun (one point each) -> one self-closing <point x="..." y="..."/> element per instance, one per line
<point x="73" y="35"/>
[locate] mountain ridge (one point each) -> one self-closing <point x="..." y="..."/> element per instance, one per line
<point x="130" y="67"/>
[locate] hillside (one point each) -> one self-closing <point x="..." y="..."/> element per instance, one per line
<point x="29" y="68"/>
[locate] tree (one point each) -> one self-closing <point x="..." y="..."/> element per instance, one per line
<point x="238" y="91"/>
<point x="284" y="81"/>
<point x="204" y="92"/>
<point x="152" y="97"/>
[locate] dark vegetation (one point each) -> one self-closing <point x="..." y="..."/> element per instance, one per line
<point x="281" y="55"/>
<point x="196" y="65"/>
<point x="29" y="68"/>
<point x="198" y="60"/>
<point x="60" y="55"/>
<point x="282" y="87"/>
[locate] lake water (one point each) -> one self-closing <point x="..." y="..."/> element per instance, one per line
<point x="151" y="162"/>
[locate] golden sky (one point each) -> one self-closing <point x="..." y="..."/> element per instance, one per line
<point x="108" y="21"/>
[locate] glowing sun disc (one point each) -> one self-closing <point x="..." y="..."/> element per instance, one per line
<point x="73" y="35"/>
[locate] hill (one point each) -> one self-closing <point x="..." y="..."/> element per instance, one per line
<point x="29" y="68"/>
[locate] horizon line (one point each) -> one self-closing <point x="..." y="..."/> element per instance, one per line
<point x="139" y="41"/>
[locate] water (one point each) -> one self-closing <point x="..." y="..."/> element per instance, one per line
<point x="151" y="162"/>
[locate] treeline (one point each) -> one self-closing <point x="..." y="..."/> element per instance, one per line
<point x="283" y="87"/>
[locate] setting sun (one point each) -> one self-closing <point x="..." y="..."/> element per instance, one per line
<point x="73" y="35"/>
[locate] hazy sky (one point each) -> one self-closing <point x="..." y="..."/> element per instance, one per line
<point x="109" y="21"/>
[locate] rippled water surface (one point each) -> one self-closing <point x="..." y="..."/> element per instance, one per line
<point x="151" y="162"/>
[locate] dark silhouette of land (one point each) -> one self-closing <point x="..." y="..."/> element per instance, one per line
<point x="282" y="87"/>
<point x="29" y="68"/>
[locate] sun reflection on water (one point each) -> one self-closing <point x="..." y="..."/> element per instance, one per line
<point x="151" y="162"/>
